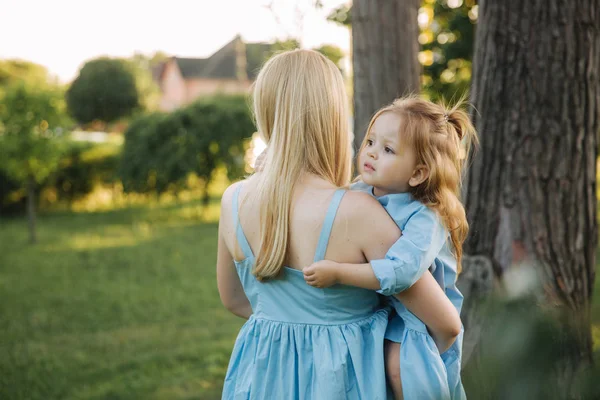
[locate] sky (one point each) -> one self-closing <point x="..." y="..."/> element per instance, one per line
<point x="63" y="34"/>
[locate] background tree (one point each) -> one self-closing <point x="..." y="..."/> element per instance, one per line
<point x="105" y="90"/>
<point x="446" y="38"/>
<point x="385" y="48"/>
<point x="141" y="67"/>
<point x="30" y="123"/>
<point x="531" y="190"/>
<point x="12" y="71"/>
<point x="334" y="53"/>
<point x="35" y="75"/>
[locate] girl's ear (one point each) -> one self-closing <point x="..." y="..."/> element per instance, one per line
<point x="420" y="174"/>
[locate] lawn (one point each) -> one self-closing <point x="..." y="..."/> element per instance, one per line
<point x="114" y="305"/>
<point x="118" y="304"/>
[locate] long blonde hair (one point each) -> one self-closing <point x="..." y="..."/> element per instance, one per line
<point x="441" y="138"/>
<point x="301" y="112"/>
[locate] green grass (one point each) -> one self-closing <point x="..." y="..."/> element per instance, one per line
<point x="113" y="305"/>
<point x="118" y="304"/>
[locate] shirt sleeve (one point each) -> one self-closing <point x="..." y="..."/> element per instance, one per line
<point x="413" y="253"/>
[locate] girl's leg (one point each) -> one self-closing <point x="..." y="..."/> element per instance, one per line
<point x="392" y="368"/>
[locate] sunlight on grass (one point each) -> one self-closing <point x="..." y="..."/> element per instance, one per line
<point x="112" y="197"/>
<point x="207" y="214"/>
<point x="596" y="336"/>
<point x="101" y="242"/>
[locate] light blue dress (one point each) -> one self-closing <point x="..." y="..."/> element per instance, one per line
<point x="423" y="245"/>
<point x="303" y="342"/>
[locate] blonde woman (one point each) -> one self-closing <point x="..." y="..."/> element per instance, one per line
<point x="302" y="342"/>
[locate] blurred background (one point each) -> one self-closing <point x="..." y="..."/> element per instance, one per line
<point x="122" y="122"/>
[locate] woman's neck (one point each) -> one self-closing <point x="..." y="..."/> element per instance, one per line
<point x="312" y="180"/>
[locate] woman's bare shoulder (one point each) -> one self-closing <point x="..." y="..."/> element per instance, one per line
<point x="228" y="193"/>
<point x="363" y="210"/>
<point x="370" y="227"/>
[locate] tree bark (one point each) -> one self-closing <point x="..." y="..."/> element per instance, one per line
<point x="31" y="209"/>
<point x="531" y="189"/>
<point x="385" y="49"/>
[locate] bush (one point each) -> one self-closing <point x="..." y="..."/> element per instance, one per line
<point x="84" y="166"/>
<point x="105" y="90"/>
<point x="12" y="199"/>
<point x="162" y="150"/>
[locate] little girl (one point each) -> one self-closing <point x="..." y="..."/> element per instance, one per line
<point x="411" y="160"/>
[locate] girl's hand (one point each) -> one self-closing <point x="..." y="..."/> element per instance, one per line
<point x="322" y="274"/>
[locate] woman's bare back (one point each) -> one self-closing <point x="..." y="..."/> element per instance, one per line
<point x="361" y="230"/>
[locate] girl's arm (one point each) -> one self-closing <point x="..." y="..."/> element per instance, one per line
<point x="425" y="298"/>
<point x="230" y="288"/>
<point x="405" y="262"/>
<point x="326" y="273"/>
<point x="374" y="232"/>
<point x="423" y="237"/>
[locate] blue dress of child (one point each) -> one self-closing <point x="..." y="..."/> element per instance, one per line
<point x="425" y="374"/>
<point x="303" y="342"/>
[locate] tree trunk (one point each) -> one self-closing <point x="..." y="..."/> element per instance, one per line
<point x="385" y="49"/>
<point x="31" y="209"/>
<point x="531" y="190"/>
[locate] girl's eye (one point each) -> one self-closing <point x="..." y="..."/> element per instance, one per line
<point x="389" y="150"/>
<point x="369" y="142"/>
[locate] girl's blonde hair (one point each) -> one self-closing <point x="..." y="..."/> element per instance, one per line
<point x="441" y="138"/>
<point x="301" y="112"/>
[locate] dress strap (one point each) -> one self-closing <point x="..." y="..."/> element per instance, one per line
<point x="328" y="224"/>
<point x="239" y="233"/>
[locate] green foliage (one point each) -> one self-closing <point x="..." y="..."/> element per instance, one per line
<point x="341" y="15"/>
<point x="141" y="66"/>
<point x="12" y="197"/>
<point x="162" y="150"/>
<point x="525" y="349"/>
<point x="139" y="161"/>
<point x="83" y="166"/>
<point x="285" y="45"/>
<point x="334" y="53"/>
<point x="105" y="90"/>
<point x="446" y="37"/>
<point x="14" y="71"/>
<point x="30" y="127"/>
<point x="447" y="47"/>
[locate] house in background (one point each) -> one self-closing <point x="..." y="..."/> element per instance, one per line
<point x="230" y="70"/>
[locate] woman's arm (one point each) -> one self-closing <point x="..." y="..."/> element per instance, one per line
<point x="230" y="288"/>
<point x="429" y="303"/>
<point x="375" y="233"/>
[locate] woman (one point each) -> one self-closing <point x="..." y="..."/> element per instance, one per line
<point x="302" y="342"/>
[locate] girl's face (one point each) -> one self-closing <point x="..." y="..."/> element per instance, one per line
<point x="385" y="162"/>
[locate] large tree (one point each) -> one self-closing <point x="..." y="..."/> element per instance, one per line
<point x="385" y="49"/>
<point x="531" y="190"/>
